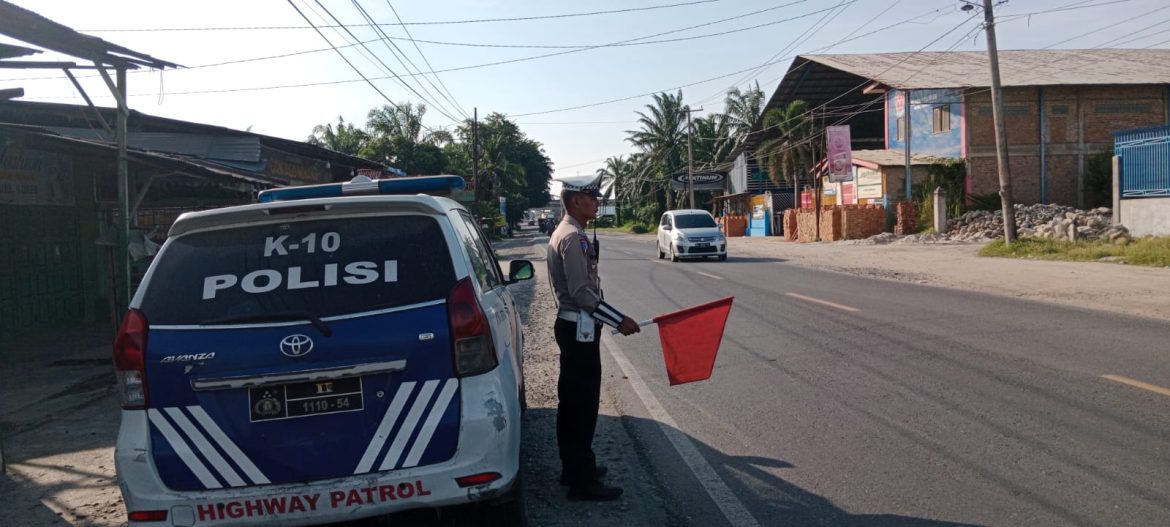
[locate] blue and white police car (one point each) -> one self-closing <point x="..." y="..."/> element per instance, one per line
<point x="332" y="352"/>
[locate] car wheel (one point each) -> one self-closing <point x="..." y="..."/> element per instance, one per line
<point x="723" y="258"/>
<point x="661" y="255"/>
<point x="673" y="256"/>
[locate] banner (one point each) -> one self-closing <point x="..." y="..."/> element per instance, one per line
<point x="840" y="154"/>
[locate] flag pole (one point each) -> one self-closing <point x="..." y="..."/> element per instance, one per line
<point x="641" y="323"/>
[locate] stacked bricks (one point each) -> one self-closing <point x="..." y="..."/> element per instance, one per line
<point x="790" y="225"/>
<point x="831" y="224"/>
<point x="862" y="221"/>
<point x="907" y="218"/>
<point x="806" y="226"/>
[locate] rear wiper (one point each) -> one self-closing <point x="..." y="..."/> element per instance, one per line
<point x="274" y="317"/>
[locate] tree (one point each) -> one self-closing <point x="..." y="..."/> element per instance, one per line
<point x="661" y="140"/>
<point x="788" y="149"/>
<point x="345" y="137"/>
<point x="620" y="171"/>
<point x="741" y="109"/>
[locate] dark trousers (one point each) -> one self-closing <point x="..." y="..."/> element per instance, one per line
<point x="579" y="393"/>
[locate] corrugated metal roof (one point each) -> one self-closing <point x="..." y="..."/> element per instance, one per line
<point x="203" y="146"/>
<point x="888" y="158"/>
<point x="1046" y="67"/>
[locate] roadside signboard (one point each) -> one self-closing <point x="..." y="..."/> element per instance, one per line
<point x="703" y="181"/>
<point x="840" y="154"/>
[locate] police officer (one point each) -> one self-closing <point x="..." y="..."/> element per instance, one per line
<point x="572" y="268"/>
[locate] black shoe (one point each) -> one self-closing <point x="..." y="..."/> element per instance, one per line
<point x="595" y="491"/>
<point x="598" y="472"/>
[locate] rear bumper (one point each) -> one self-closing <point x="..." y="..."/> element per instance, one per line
<point x="489" y="442"/>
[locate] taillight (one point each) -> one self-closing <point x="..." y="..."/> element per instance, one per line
<point x="471" y="336"/>
<point x="130" y="359"/>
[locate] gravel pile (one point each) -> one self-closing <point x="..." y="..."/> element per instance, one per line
<point x="1056" y="222"/>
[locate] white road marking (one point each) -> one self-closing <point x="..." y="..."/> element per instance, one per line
<point x="822" y="302"/>
<point x="724" y="498"/>
<point x="717" y="277"/>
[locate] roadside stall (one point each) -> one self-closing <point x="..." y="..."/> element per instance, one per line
<point x="731" y="212"/>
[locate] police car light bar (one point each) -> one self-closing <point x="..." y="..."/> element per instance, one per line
<point x="439" y="185"/>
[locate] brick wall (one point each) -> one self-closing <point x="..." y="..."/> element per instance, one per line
<point x="862" y="221"/>
<point x="831" y="223"/>
<point x="1080" y="122"/>
<point x="907" y="218"/>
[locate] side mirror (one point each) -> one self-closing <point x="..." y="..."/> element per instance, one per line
<point x="519" y="270"/>
<point x="666" y="227"/>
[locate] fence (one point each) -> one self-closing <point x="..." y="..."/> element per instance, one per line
<point x="1144" y="155"/>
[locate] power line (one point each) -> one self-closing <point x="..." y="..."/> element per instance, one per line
<point x="438" y="107"/>
<point x="401" y="55"/>
<point x="343" y="57"/>
<point x="430" y="23"/>
<point x="425" y="60"/>
<point x="1070" y="39"/>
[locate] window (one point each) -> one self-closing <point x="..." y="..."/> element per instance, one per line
<point x="695" y="221"/>
<point x="942" y="118"/>
<point x="665" y="220"/>
<point x="483" y="262"/>
<point x="325" y="267"/>
<point x="900" y="126"/>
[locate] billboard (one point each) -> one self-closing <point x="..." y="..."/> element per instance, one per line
<point x="840" y="154"/>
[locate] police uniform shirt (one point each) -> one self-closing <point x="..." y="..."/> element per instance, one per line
<point x="572" y="268"/>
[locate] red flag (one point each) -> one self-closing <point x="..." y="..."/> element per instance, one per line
<point x="690" y="340"/>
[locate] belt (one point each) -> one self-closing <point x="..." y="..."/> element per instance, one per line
<point x="571" y="315"/>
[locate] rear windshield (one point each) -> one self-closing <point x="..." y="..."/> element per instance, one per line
<point x="693" y="221"/>
<point x="322" y="267"/>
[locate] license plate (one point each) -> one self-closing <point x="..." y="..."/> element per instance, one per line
<point x="303" y="399"/>
<point x="702" y="245"/>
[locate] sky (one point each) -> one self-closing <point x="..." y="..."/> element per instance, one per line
<point x="563" y="100"/>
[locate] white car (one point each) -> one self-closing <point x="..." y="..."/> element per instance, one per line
<point x="314" y="359"/>
<point x="690" y="233"/>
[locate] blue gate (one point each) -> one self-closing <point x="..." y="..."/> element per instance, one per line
<point x="1145" y="161"/>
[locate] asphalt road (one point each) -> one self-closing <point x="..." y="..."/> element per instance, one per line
<point x="840" y="400"/>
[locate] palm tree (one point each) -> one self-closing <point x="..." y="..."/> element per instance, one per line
<point x="619" y="170"/>
<point x="345" y="137"/>
<point x="712" y="141"/>
<point x="405" y="121"/>
<point x="661" y="138"/>
<point x="742" y="109"/>
<point x="789" y="149"/>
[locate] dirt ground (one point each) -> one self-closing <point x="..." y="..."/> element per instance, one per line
<point x="59" y="412"/>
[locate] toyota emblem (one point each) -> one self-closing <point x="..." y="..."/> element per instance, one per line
<point x="296" y="345"/>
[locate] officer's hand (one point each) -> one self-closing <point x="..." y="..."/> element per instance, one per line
<point x="629" y="326"/>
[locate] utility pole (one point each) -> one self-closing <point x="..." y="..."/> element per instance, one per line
<point x="1005" y="175"/>
<point x="690" y="157"/>
<point x="907" y="132"/>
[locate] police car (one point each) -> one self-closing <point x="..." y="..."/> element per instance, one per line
<point x="332" y="352"/>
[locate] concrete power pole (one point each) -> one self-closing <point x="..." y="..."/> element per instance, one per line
<point x="690" y="162"/>
<point x="1005" y="175"/>
<point x="690" y="157"/>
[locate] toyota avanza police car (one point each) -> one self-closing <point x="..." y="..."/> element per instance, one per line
<point x="332" y="352"/>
